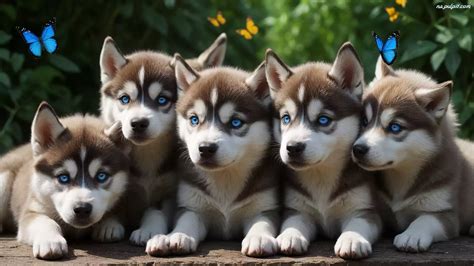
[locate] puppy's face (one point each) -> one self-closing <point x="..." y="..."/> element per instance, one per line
<point x="401" y="116"/>
<point x="139" y="90"/>
<point x="220" y="119"/>
<point x="318" y="108"/>
<point x="78" y="170"/>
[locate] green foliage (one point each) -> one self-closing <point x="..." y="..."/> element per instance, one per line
<point x="438" y="42"/>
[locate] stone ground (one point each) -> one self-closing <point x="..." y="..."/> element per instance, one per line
<point x="456" y="252"/>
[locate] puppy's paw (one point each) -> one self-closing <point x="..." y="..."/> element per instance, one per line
<point x="351" y="245"/>
<point x="108" y="230"/>
<point x="158" y="245"/>
<point x="291" y="242"/>
<point x="140" y="236"/>
<point x="51" y="248"/>
<point x="182" y="244"/>
<point x="259" y="246"/>
<point x="413" y="241"/>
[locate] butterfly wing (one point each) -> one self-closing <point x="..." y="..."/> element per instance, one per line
<point x="47" y="37"/>
<point x="34" y="45"/>
<point x="251" y="27"/>
<point x="220" y="18"/>
<point x="244" y="33"/>
<point x="378" y="41"/>
<point x="213" y="21"/>
<point x="389" y="50"/>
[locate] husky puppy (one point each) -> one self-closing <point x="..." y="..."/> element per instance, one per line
<point x="409" y="138"/>
<point x="230" y="188"/>
<point x="64" y="182"/>
<point x="318" y="108"/>
<point x="139" y="90"/>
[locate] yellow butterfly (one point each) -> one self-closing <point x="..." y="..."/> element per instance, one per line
<point x="403" y="3"/>
<point x="218" y="21"/>
<point x="392" y="13"/>
<point x="250" y="29"/>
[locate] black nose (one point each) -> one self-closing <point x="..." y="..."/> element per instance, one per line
<point x="295" y="148"/>
<point x="83" y="210"/>
<point x="139" y="125"/>
<point x="207" y="150"/>
<point x="360" y="150"/>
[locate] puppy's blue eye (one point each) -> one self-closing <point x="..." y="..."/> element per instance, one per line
<point x="236" y="123"/>
<point x="101" y="177"/>
<point x="124" y="99"/>
<point x="64" y="178"/>
<point x="162" y="100"/>
<point x="324" y="120"/>
<point x="194" y="120"/>
<point x="286" y="119"/>
<point x="395" y="128"/>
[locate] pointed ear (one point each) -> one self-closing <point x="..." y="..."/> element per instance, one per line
<point x="111" y="60"/>
<point x="347" y="70"/>
<point x="46" y="129"/>
<point x="382" y="69"/>
<point x="436" y="100"/>
<point x="185" y="74"/>
<point x="258" y="82"/>
<point x="114" y="133"/>
<point x="276" y="72"/>
<point x="215" y="54"/>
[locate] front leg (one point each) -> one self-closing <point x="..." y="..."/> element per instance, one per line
<point x="358" y="235"/>
<point x="154" y="222"/>
<point x="44" y="234"/>
<point x="184" y="239"/>
<point x="260" y="235"/>
<point x="109" y="229"/>
<point x="297" y="231"/>
<point x="427" y="229"/>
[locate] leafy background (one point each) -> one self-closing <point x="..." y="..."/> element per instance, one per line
<point x="434" y="41"/>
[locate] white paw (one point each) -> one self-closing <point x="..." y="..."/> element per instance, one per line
<point x="413" y="241"/>
<point x="108" y="230"/>
<point x="182" y="244"/>
<point x="50" y="248"/>
<point x="292" y="242"/>
<point x="259" y="246"/>
<point x="158" y="245"/>
<point x="351" y="245"/>
<point x="140" y="236"/>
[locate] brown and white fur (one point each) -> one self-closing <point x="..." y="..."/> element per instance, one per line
<point x="34" y="199"/>
<point x="424" y="177"/>
<point x="146" y="77"/>
<point x="230" y="187"/>
<point x="325" y="193"/>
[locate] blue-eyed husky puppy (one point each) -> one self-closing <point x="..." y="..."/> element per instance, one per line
<point x="230" y="187"/>
<point x="318" y="108"/>
<point x="64" y="182"/>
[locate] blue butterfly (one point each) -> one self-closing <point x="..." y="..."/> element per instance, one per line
<point x="388" y="50"/>
<point x="47" y="39"/>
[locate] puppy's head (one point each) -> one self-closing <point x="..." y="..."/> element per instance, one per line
<point x="318" y="107"/>
<point x="403" y="111"/>
<point x="139" y="90"/>
<point x="80" y="168"/>
<point x="222" y="117"/>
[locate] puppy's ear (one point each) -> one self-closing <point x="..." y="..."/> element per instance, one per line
<point x="258" y="82"/>
<point x="436" y="100"/>
<point x="215" y="54"/>
<point x="276" y="72"/>
<point x="46" y="129"/>
<point x="114" y="133"/>
<point x="382" y="69"/>
<point x="111" y="60"/>
<point x="185" y="74"/>
<point x="347" y="70"/>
